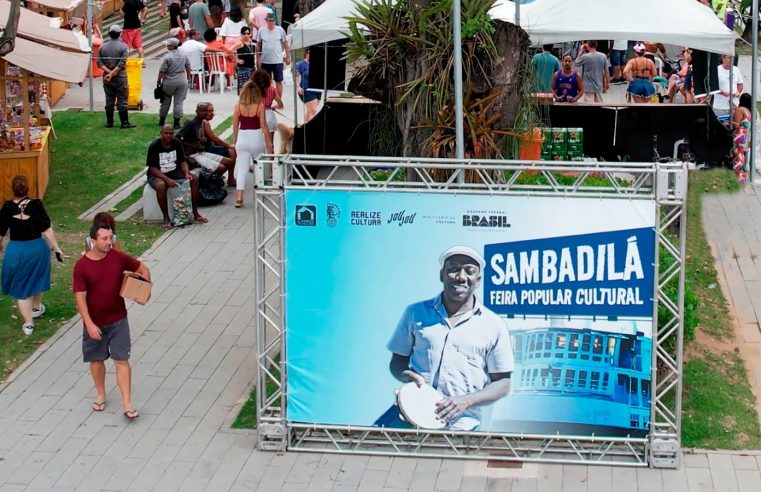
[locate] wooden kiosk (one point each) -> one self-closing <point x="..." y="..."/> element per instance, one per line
<point x="42" y="53"/>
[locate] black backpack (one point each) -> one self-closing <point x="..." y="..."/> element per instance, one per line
<point x="211" y="188"/>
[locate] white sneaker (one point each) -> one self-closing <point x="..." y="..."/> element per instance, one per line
<point x="37" y="312"/>
<point x="27" y="328"/>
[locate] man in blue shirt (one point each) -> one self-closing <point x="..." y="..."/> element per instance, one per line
<point x="545" y="65"/>
<point x="455" y="344"/>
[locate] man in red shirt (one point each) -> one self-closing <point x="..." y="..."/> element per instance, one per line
<point x="96" y="285"/>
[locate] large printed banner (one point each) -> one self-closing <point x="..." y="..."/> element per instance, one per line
<point x="518" y="314"/>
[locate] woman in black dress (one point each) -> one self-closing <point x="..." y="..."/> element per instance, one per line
<point x="26" y="262"/>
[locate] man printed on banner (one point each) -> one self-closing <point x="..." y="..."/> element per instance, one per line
<point x="455" y="344"/>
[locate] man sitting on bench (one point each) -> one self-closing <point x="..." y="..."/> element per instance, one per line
<point x="166" y="165"/>
<point x="203" y="147"/>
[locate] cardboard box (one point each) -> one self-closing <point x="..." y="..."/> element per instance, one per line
<point x="135" y="287"/>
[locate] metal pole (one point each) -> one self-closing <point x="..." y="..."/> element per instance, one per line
<point x="517" y="12"/>
<point x="753" y="92"/>
<point x="458" y="113"/>
<point x="90" y="20"/>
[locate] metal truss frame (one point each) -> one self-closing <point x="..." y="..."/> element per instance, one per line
<point x="663" y="183"/>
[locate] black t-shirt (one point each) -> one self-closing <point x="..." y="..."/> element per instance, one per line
<point x="174" y="12"/>
<point x="131" y="10"/>
<point x="193" y="137"/>
<point x="24" y="229"/>
<point x="167" y="160"/>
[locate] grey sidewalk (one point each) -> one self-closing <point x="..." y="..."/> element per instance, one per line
<point x="193" y="362"/>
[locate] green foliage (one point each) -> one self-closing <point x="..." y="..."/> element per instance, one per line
<point x="246" y="418"/>
<point x="718" y="407"/>
<point x="406" y="61"/>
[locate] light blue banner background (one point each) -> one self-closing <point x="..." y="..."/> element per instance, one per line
<point x="346" y="286"/>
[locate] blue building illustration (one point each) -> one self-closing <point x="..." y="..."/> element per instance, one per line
<point x="578" y="381"/>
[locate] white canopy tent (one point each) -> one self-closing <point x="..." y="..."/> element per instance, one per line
<point x="325" y="23"/>
<point x="679" y="22"/>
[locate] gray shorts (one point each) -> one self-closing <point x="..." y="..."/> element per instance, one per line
<point x="114" y="343"/>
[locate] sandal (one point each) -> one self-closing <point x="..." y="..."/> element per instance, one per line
<point x="131" y="414"/>
<point x="238" y="203"/>
<point x="98" y="406"/>
<point x="201" y="219"/>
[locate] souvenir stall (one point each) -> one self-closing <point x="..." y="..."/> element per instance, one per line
<point x="41" y="54"/>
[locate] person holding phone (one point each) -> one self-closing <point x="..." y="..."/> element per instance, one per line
<point x="26" y="262"/>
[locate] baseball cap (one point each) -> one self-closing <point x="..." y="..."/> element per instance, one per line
<point x="465" y="251"/>
<point x="174" y="32"/>
<point x="639" y="47"/>
<point x="269" y="16"/>
<point x="115" y="28"/>
<point x="172" y="42"/>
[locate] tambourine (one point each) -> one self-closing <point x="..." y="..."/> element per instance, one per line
<point x="418" y="405"/>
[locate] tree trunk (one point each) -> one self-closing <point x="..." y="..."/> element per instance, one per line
<point x="509" y="72"/>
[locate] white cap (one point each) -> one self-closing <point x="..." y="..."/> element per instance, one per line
<point x="465" y="251"/>
<point x="639" y="47"/>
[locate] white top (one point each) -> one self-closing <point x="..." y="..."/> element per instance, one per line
<point x="620" y="45"/>
<point x="192" y="46"/>
<point x="232" y="29"/>
<point x="721" y="101"/>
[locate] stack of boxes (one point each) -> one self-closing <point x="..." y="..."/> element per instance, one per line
<point x="563" y="144"/>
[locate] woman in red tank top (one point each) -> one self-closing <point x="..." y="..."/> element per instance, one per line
<point x="249" y="139"/>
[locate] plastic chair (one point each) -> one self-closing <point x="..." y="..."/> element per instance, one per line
<point x="218" y="66"/>
<point x="197" y="69"/>
<point x="658" y="66"/>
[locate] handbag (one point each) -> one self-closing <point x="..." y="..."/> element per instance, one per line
<point x="158" y="93"/>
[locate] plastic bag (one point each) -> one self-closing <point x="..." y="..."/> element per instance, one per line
<point x="211" y="188"/>
<point x="181" y="203"/>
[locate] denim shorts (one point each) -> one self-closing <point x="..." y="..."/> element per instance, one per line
<point x="618" y="58"/>
<point x="114" y="343"/>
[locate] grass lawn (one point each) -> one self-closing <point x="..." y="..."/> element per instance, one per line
<point x="718" y="405"/>
<point x="88" y="162"/>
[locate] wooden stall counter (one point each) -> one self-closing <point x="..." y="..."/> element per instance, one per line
<point x="33" y="163"/>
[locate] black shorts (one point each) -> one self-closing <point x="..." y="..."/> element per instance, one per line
<point x="175" y="175"/>
<point x="275" y="70"/>
<point x="115" y="343"/>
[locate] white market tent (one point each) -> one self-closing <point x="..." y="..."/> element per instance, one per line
<point x="679" y="22"/>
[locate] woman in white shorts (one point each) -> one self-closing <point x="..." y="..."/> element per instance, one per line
<point x="270" y="99"/>
<point x="248" y="135"/>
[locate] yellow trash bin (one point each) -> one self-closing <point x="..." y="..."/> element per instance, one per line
<point x="134" y="83"/>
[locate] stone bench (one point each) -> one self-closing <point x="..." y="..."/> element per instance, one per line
<point x="151" y="210"/>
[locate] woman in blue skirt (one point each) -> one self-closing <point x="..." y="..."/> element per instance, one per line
<point x="26" y="262"/>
